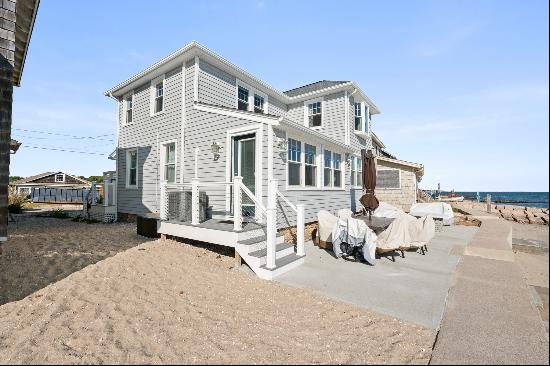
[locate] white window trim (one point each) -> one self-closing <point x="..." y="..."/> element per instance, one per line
<point x="153" y="94"/>
<point x="61" y="181"/>
<point x="163" y="160"/>
<point x="320" y="163"/>
<point x="398" y="188"/>
<point x="342" y="171"/>
<point x="306" y="112"/>
<point x="251" y="92"/>
<point x="362" y="110"/>
<point x="356" y="160"/>
<point x="127" y="183"/>
<point x="316" y="165"/>
<point x="125" y="108"/>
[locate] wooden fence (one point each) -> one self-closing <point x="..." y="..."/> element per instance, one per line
<point x="59" y="195"/>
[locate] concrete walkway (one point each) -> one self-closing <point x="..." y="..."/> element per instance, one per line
<point x="413" y="288"/>
<point x="490" y="317"/>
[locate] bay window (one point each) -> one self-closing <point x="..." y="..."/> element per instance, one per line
<point x="310" y="165"/>
<point x="294" y="162"/>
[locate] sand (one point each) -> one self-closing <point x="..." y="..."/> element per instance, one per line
<point x="168" y="302"/>
<point x="41" y="251"/>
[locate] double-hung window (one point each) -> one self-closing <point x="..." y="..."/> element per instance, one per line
<point x="258" y="104"/>
<point x="242" y="99"/>
<point x="131" y="168"/>
<point x="294" y="162"/>
<point x="314" y="114"/>
<point x="327" y="170"/>
<point x="310" y="152"/>
<point x="170" y="162"/>
<point x="337" y="169"/>
<point x="129" y="109"/>
<point x="358" y="117"/>
<point x="356" y="172"/>
<point x="159" y="97"/>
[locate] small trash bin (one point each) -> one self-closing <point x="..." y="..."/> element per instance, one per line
<point x="147" y="225"/>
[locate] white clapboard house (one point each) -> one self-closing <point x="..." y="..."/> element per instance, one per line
<point x="222" y="157"/>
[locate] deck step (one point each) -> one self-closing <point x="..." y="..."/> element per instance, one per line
<point x="263" y="252"/>
<point x="282" y="265"/>
<point x="284" y="261"/>
<point x="256" y="239"/>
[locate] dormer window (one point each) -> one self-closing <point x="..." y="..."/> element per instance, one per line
<point x="258" y="104"/>
<point x="129" y="109"/>
<point x="314" y="114"/>
<point x="358" y="117"/>
<point x="159" y="97"/>
<point x="242" y="97"/>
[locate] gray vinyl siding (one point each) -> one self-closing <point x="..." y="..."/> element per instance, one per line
<point x="216" y="86"/>
<point x="147" y="133"/>
<point x="201" y="130"/>
<point x="334" y="121"/>
<point x="276" y="107"/>
<point x="296" y="113"/>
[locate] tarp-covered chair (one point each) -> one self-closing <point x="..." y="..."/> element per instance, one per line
<point x="345" y="213"/>
<point x="326" y="222"/>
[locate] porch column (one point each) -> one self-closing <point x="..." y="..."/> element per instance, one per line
<point x="195" y="213"/>
<point x="237" y="209"/>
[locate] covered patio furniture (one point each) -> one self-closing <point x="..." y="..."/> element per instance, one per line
<point x="345" y="213"/>
<point x="352" y="237"/>
<point x="438" y="210"/>
<point x="326" y="222"/>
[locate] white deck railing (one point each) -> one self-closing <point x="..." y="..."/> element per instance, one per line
<point x="239" y="194"/>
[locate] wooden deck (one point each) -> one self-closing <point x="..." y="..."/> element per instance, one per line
<point x="216" y="231"/>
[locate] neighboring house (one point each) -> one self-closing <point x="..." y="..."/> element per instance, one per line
<point x="199" y="136"/>
<point x="49" y="180"/>
<point x="16" y="24"/>
<point x="397" y="180"/>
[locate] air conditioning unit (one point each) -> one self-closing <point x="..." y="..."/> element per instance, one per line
<point x="179" y="206"/>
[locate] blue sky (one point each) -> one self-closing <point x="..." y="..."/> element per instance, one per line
<point x="462" y="85"/>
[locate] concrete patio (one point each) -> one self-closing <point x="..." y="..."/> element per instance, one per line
<point x="413" y="288"/>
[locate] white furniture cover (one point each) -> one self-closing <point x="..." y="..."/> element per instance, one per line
<point x="326" y="222"/>
<point x="405" y="232"/>
<point x="356" y="233"/>
<point x="345" y="213"/>
<point x="386" y="210"/>
<point x="439" y="210"/>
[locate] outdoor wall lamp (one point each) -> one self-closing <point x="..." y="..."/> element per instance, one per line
<point x="349" y="158"/>
<point x="216" y="148"/>
<point x="282" y="143"/>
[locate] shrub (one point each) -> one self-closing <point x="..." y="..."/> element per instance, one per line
<point x="16" y="201"/>
<point x="59" y="213"/>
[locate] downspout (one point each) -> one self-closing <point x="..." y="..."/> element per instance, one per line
<point x="117" y="153"/>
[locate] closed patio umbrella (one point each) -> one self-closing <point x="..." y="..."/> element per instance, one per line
<point x="369" y="200"/>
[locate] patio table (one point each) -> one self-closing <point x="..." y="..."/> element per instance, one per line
<point x="377" y="224"/>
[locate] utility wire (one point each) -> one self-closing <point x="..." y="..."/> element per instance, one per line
<point x="17" y="135"/>
<point x="64" y="150"/>
<point x="65" y="135"/>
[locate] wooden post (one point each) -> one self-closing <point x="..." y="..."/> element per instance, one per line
<point x="489" y="203"/>
<point x="6" y="99"/>
<point x="300" y="230"/>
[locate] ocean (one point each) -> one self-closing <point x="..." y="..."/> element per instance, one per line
<point x="527" y="199"/>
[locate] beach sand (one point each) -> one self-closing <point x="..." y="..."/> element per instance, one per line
<point x="168" y="302"/>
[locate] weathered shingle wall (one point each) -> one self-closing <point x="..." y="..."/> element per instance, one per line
<point x="405" y="196"/>
<point x="7" y="30"/>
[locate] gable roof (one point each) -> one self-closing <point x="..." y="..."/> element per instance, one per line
<point x="313" y="87"/>
<point x="194" y="48"/>
<point x="46" y="174"/>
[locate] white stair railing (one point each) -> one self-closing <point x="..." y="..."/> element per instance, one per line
<point x="300" y="223"/>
